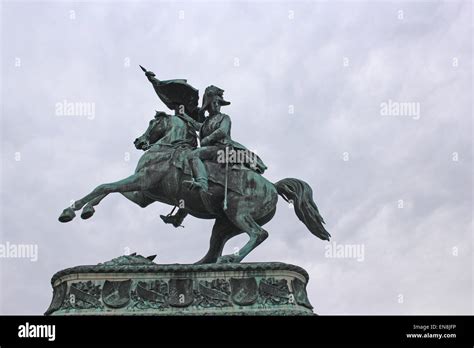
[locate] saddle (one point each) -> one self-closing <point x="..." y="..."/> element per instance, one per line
<point x="237" y="174"/>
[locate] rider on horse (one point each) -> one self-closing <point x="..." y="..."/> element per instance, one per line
<point x="249" y="200"/>
<point x="215" y="137"/>
<point x="214" y="131"/>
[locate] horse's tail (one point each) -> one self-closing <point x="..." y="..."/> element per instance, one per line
<point x="300" y="194"/>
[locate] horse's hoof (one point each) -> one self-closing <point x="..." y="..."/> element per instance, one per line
<point x="228" y="259"/>
<point x="67" y="215"/>
<point x="205" y="261"/>
<point x="87" y="212"/>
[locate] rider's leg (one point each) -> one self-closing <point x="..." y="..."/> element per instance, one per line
<point x="196" y="158"/>
<point x="199" y="173"/>
<point x="199" y="179"/>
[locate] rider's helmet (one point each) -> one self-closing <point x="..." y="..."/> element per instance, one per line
<point x="210" y="94"/>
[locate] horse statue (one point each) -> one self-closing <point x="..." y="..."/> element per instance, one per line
<point x="250" y="198"/>
<point x="236" y="196"/>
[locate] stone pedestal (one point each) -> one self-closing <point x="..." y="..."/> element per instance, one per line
<point x="135" y="285"/>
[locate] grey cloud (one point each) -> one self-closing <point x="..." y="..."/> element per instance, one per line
<point x="282" y="62"/>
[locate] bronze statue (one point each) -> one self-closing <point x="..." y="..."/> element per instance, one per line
<point x="220" y="180"/>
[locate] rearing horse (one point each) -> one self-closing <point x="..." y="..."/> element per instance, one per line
<point x="157" y="178"/>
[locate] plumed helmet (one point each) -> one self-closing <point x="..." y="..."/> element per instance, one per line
<point x="211" y="93"/>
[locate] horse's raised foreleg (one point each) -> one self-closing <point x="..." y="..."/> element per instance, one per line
<point x="222" y="231"/>
<point x="88" y="209"/>
<point x="134" y="182"/>
<point x="136" y="197"/>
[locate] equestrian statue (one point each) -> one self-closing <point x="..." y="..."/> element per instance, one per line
<point x="191" y="162"/>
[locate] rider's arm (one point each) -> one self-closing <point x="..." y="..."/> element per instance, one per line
<point x="220" y="133"/>
<point x="196" y="125"/>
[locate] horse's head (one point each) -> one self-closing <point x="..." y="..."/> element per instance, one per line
<point x="156" y="130"/>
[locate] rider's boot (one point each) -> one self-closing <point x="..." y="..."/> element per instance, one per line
<point x="200" y="183"/>
<point x="200" y="176"/>
<point x="176" y="220"/>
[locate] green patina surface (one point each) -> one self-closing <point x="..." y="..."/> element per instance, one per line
<point x="192" y="162"/>
<point x="134" y="285"/>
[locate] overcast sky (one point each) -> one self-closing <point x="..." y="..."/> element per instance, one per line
<point x="307" y="81"/>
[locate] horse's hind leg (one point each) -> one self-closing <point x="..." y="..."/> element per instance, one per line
<point x="136" y="197"/>
<point x="244" y="222"/>
<point x="222" y="231"/>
